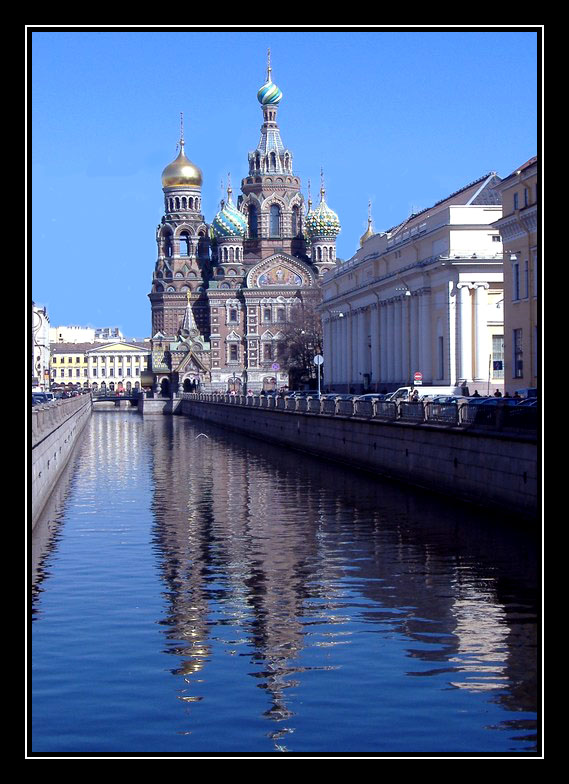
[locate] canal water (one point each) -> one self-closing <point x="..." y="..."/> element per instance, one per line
<point x="201" y="592"/>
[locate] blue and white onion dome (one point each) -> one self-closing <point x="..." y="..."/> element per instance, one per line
<point x="269" y="93"/>
<point x="229" y="222"/>
<point x="322" y="222"/>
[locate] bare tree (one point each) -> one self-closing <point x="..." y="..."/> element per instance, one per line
<point x="302" y="341"/>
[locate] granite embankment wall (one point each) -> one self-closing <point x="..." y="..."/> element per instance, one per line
<point x="55" y="429"/>
<point x="493" y="470"/>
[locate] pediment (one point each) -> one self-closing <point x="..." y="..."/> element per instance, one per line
<point x="190" y="362"/>
<point x="280" y="271"/>
<point x="117" y="348"/>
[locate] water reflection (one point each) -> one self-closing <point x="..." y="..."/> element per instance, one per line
<point x="297" y="556"/>
<point x="338" y="598"/>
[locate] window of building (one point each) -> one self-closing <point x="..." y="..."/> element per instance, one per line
<point x="275" y="221"/>
<point x="184" y="244"/>
<point x="526" y="279"/>
<point x="441" y="356"/>
<point x="267" y="314"/>
<point x="253" y="221"/>
<point x="518" y="353"/>
<point x="515" y="281"/>
<point x="516" y="201"/>
<point x="496" y="238"/>
<point x="267" y="351"/>
<point x="498" y="356"/>
<point x="280" y="314"/>
<point x="233" y="353"/>
<point x="295" y="221"/>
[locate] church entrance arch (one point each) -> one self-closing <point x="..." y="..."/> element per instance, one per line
<point x="269" y="383"/>
<point x="234" y="385"/>
<point x="165" y="388"/>
<point x="190" y="385"/>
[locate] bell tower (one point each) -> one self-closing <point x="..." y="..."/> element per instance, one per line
<point x="182" y="238"/>
<point x="271" y="199"/>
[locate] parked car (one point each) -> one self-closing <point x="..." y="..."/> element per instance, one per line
<point x="445" y="399"/>
<point x="500" y="401"/>
<point x="372" y="396"/>
<point x="528" y="392"/>
<point x="41" y="397"/>
<point x="529" y="402"/>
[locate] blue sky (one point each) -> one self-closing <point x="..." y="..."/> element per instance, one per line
<point x="401" y="118"/>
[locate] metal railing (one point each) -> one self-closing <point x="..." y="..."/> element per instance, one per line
<point x="494" y="417"/>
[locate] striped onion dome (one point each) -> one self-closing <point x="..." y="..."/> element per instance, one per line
<point x="322" y="222"/>
<point x="229" y="222"/>
<point x="269" y="93"/>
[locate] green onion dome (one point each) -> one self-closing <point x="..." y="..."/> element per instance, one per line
<point x="229" y="222"/>
<point x="322" y="222"/>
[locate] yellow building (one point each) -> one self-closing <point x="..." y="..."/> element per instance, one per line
<point x="112" y="366"/>
<point x="518" y="228"/>
<point x="68" y="364"/>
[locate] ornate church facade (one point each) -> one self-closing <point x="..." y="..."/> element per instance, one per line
<point x="222" y="293"/>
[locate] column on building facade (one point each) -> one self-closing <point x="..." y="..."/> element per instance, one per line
<point x="465" y="364"/>
<point x="350" y="348"/>
<point x="383" y="337"/>
<point x="375" y="349"/>
<point x="328" y="350"/>
<point x="390" y="340"/>
<point x="414" y="333"/>
<point x="452" y="334"/>
<point x="481" y="343"/>
<point x="425" y="344"/>
<point x="405" y="339"/>
<point x="362" y="346"/>
<point x="397" y="342"/>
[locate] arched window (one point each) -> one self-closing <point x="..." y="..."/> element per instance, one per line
<point x="184" y="244"/>
<point x="253" y="221"/>
<point x="184" y="202"/>
<point x="275" y="221"/>
<point x="294" y="221"/>
<point x="167" y="245"/>
<point x="273" y="161"/>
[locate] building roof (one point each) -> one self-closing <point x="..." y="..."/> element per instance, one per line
<point x="481" y="191"/>
<point x="523" y="167"/>
<point x="82" y="348"/>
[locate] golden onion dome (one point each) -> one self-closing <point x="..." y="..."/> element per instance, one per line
<point x="369" y="233"/>
<point x="182" y="173"/>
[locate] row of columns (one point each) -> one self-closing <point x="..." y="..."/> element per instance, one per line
<point x="391" y="339"/>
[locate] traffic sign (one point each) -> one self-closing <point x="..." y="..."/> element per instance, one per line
<point x="318" y="359"/>
<point x="275" y="366"/>
<point x="418" y="378"/>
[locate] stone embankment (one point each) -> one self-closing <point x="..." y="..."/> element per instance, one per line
<point x="490" y="468"/>
<point x="55" y="428"/>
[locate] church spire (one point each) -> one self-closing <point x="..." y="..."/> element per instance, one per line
<point x="369" y="233"/>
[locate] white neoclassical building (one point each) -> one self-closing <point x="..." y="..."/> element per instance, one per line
<point x="424" y="297"/>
